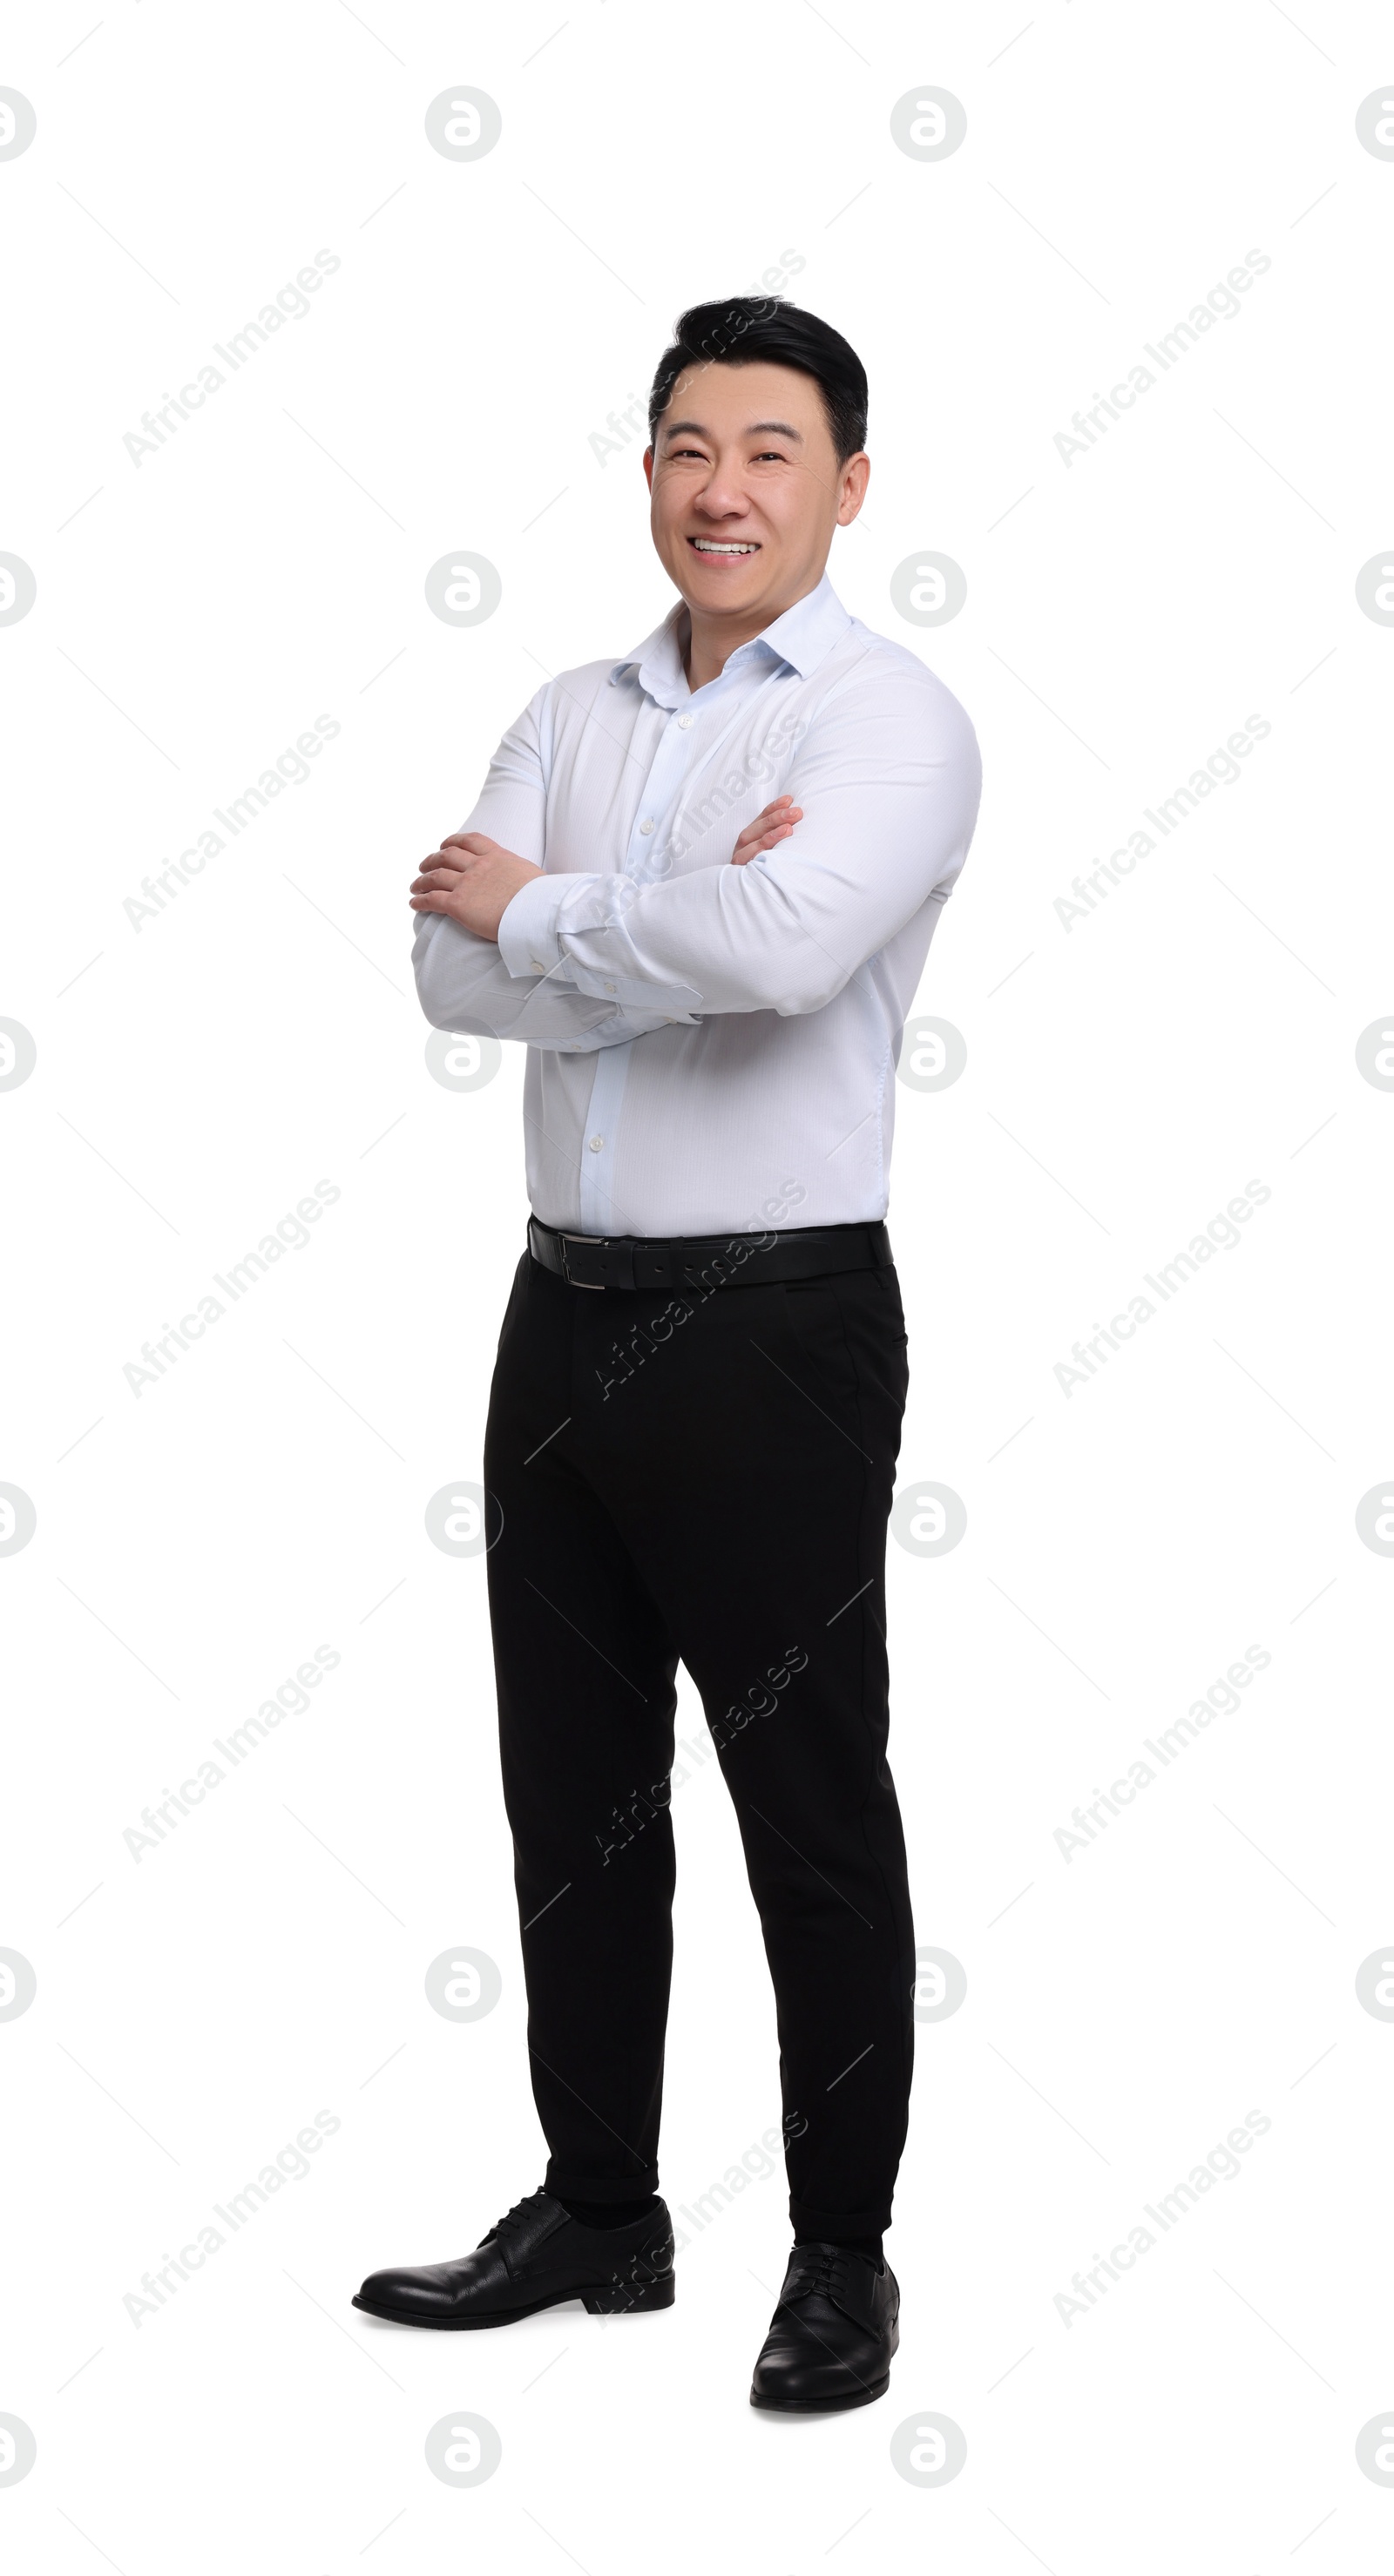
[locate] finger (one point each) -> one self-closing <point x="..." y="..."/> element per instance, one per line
<point x="772" y="807"/>
<point x="436" y="881"/>
<point x="477" y="843"/>
<point x="774" y="832"/>
<point x="772" y="814"/>
<point x="767" y="811"/>
<point x="741" y="858"/>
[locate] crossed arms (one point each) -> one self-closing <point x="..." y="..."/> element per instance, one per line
<point x="887" y="784"/>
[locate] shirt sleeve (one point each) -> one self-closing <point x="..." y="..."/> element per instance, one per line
<point x="463" y="983"/>
<point x="889" y="777"/>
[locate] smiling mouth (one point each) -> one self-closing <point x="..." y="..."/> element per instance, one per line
<point x="722" y="546"/>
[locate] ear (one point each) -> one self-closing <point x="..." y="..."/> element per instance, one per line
<point x="648" y="467"/>
<point x="856" y="474"/>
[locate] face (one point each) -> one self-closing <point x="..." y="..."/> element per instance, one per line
<point x="746" y="488"/>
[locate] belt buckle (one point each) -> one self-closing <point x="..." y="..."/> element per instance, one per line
<point x="563" y="1240"/>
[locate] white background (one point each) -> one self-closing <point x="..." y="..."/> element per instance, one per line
<point x="1125" y="1078"/>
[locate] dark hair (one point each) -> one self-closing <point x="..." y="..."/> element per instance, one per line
<point x="749" y="327"/>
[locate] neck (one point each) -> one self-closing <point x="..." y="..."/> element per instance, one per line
<point x="709" y="641"/>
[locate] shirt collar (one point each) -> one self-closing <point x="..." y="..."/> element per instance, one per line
<point x="802" y="638"/>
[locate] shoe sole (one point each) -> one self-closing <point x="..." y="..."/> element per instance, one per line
<point x="821" y="2405"/>
<point x="617" y="2300"/>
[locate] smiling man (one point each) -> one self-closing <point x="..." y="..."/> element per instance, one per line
<point x="700" y="885"/>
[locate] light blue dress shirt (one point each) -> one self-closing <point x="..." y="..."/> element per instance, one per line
<point x="712" y="1048"/>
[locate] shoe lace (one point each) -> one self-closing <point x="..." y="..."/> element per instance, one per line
<point x="513" y="2219"/>
<point x="817" y="2272"/>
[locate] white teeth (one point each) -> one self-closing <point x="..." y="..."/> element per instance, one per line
<point x="708" y="546"/>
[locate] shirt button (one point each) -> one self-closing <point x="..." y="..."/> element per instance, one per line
<point x="684" y="721"/>
<point x="647" y="823"/>
<point x="595" y="1143"/>
<point x="609" y="988"/>
<point x="539" y="966"/>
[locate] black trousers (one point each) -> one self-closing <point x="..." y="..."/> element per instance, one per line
<point x="704" y="1477"/>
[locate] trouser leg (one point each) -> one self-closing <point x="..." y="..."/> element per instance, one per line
<point x="748" y="1459"/>
<point x="585" y="1673"/>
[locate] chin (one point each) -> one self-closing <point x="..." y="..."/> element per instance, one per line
<point x="716" y="586"/>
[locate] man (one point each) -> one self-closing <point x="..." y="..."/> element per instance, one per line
<point x="701" y="1375"/>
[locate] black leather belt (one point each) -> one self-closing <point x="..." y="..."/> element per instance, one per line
<point x="707" y="1261"/>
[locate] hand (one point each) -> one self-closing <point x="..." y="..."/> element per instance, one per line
<point x="775" y="824"/>
<point x="473" y="879"/>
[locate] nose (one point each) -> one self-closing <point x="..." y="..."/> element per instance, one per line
<point x="723" y="495"/>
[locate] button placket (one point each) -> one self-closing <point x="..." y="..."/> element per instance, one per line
<point x="661" y="788"/>
<point x="602" y="1127"/>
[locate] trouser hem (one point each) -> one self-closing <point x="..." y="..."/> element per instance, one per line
<point x="582" y="2186"/>
<point x="835" y="2224"/>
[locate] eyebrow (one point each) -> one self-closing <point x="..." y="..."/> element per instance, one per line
<point x="783" y="428"/>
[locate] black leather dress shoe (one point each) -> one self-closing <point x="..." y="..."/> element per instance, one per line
<point x="534" y="2258"/>
<point x="832" y="2335"/>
